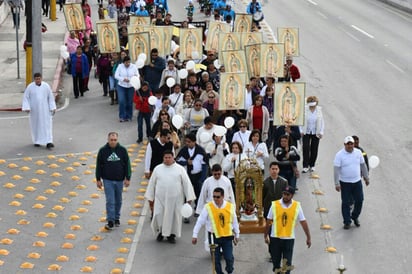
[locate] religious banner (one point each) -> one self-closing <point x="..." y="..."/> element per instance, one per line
<point x="289" y="104"/>
<point x="190" y="42"/>
<point x="138" y="21"/>
<point x="108" y="36"/>
<point x="167" y="36"/>
<point x="139" y="43"/>
<point x="234" y="61"/>
<point x="243" y="22"/>
<point x="272" y="60"/>
<point x="250" y="38"/>
<point x="229" y="41"/>
<point x="73" y="14"/>
<point x="156" y="39"/>
<point x="212" y="39"/>
<point x="252" y="56"/>
<point x="232" y="91"/>
<point x="289" y="37"/>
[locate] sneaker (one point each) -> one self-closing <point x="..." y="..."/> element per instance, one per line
<point x="36" y="145"/>
<point x="356" y="222"/>
<point x="172" y="239"/>
<point x="139" y="141"/>
<point x="109" y="225"/>
<point x="312" y="169"/>
<point x="117" y="223"/>
<point x="305" y="170"/>
<point x="159" y="237"/>
<point x="346" y="226"/>
<point x="50" y="145"/>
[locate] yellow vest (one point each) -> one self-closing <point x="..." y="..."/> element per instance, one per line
<point x="284" y="219"/>
<point x="221" y="219"/>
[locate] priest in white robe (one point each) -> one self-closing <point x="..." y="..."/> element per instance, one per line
<point x="168" y="188"/>
<point x="39" y="101"/>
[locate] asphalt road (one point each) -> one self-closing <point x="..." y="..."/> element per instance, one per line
<point x="355" y="56"/>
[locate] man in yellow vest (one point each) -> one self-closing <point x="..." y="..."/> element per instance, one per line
<point x="220" y="219"/>
<point x="284" y="213"/>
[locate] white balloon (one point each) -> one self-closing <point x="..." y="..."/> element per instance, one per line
<point x="373" y="161"/>
<point x="177" y="121"/>
<point x="229" y="122"/>
<point x="139" y="63"/>
<point x="219" y="131"/>
<point x="170" y="82"/>
<point x="64" y="54"/>
<point x="205" y="137"/>
<point x="142" y="56"/>
<point x="135" y="82"/>
<point x="182" y="73"/>
<point x="152" y="100"/>
<point x="190" y="65"/>
<point x="195" y="55"/>
<point x="186" y="210"/>
<point x="216" y="63"/>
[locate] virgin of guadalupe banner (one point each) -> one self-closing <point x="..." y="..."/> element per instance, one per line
<point x="138" y="21"/>
<point x="190" y="42"/>
<point x="232" y="91"/>
<point x="139" y="43"/>
<point x="108" y="36"/>
<point x="212" y="39"/>
<point x="289" y="37"/>
<point x="234" y="61"/>
<point x="156" y="39"/>
<point x="243" y="22"/>
<point x="252" y="56"/>
<point x="73" y="14"/>
<point x="289" y="104"/>
<point x="167" y="36"/>
<point x="229" y="41"/>
<point x="271" y="60"/>
<point x="250" y="38"/>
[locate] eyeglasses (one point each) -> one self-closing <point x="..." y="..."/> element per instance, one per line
<point x="216" y="197"/>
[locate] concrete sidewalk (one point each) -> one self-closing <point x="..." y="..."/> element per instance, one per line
<point x="12" y="88"/>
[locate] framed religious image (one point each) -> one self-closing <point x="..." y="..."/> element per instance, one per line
<point x="250" y="38"/>
<point x="252" y="56"/>
<point x="271" y="60"/>
<point x="190" y="42"/>
<point x="139" y="43"/>
<point x="212" y="39"/>
<point x="74" y="16"/>
<point x="156" y="39"/>
<point x="289" y="104"/>
<point x="167" y="34"/>
<point x="232" y="91"/>
<point x="289" y="37"/>
<point x="138" y="21"/>
<point x="243" y="22"/>
<point x="229" y="41"/>
<point x="108" y="36"/>
<point x="234" y="61"/>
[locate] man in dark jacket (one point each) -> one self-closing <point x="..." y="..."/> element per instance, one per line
<point x="272" y="187"/>
<point x="113" y="167"/>
<point x="152" y="73"/>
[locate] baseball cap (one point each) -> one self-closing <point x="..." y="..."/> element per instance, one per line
<point x="289" y="189"/>
<point x="348" y="139"/>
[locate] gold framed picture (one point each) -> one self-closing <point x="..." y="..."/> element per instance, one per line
<point x="167" y="36"/>
<point x="156" y="38"/>
<point x="73" y="14"/>
<point x="190" y="41"/>
<point x="138" y="21"/>
<point x="252" y="55"/>
<point x="234" y="61"/>
<point x="289" y="104"/>
<point x="229" y="41"/>
<point x="108" y="36"/>
<point x="232" y="91"/>
<point x="243" y="22"/>
<point x="250" y="38"/>
<point x="212" y="39"/>
<point x="139" y="43"/>
<point x="271" y="60"/>
<point x="289" y="37"/>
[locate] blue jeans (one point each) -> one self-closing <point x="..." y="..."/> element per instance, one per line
<point x="289" y="175"/>
<point x="347" y="192"/>
<point x="125" y="99"/>
<point x="224" y="244"/>
<point x="140" y="117"/>
<point x="113" y="191"/>
<point x="281" y="249"/>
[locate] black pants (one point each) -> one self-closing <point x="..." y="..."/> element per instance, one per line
<point x="78" y="85"/>
<point x="45" y="6"/>
<point x="281" y="249"/>
<point x="310" y="147"/>
<point x="196" y="183"/>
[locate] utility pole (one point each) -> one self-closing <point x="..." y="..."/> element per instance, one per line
<point x="29" y="48"/>
<point x="37" y="57"/>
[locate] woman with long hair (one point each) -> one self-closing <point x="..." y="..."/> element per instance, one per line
<point x="232" y="161"/>
<point x="257" y="149"/>
<point x="258" y="117"/>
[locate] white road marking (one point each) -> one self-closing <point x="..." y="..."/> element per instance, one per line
<point x="66" y="104"/>
<point x="312" y="2"/>
<point x="322" y="15"/>
<point x="395" y="66"/>
<point x="351" y="35"/>
<point x="363" y="32"/>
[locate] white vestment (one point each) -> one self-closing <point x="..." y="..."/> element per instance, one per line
<point x="168" y="187"/>
<point x="39" y="100"/>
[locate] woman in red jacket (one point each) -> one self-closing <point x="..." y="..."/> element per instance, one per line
<point x="141" y="99"/>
